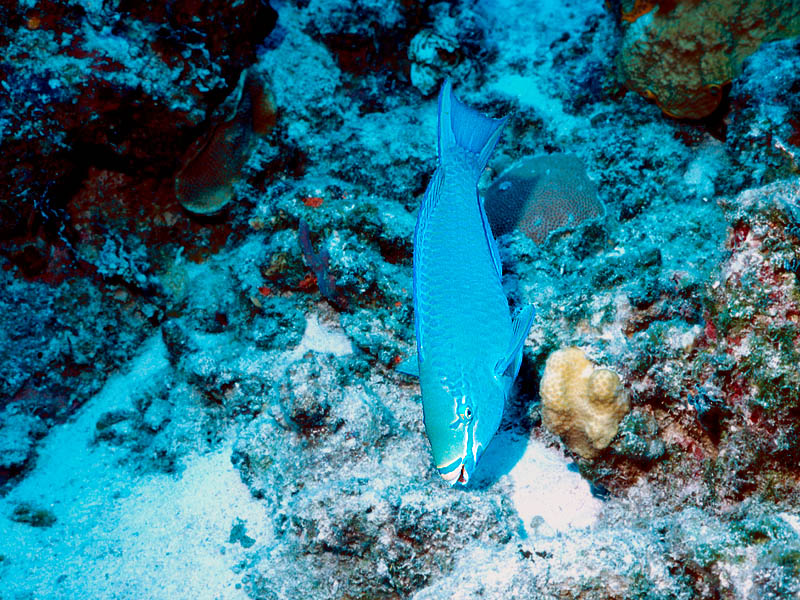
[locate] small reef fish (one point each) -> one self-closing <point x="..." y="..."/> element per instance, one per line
<point x="469" y="349"/>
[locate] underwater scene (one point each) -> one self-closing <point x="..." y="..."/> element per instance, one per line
<point x="382" y="299"/>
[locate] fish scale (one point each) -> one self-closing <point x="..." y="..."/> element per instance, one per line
<point x="468" y="348"/>
<point x="469" y="300"/>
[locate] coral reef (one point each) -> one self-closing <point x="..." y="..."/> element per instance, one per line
<point x="120" y="88"/>
<point x="541" y="195"/>
<point x="683" y="58"/>
<point x="581" y="403"/>
<point x="233" y="377"/>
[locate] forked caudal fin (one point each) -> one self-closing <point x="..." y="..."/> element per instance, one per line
<point x="465" y="128"/>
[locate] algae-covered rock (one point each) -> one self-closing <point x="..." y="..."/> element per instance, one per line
<point x="354" y="504"/>
<point x="683" y="56"/>
<point x="18" y="434"/>
<point x="638" y="438"/>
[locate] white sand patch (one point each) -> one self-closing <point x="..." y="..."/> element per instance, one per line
<point x="548" y="495"/>
<point x="156" y="536"/>
<point x="322" y="338"/>
<point x="544" y="487"/>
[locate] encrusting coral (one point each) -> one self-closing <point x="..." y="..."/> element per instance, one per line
<point x="581" y="403"/>
<point x="681" y="58"/>
<point x="540" y="195"/>
<point x="205" y="183"/>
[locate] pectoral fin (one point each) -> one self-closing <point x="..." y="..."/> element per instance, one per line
<point x="509" y="364"/>
<point x="409" y="366"/>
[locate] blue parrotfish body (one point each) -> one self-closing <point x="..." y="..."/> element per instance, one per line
<point x="469" y="349"/>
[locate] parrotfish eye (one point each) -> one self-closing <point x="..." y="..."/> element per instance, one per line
<point x="649" y="95"/>
<point x="468" y="413"/>
<point x="714" y="89"/>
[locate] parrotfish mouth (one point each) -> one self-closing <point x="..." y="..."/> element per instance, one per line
<point x="454" y="475"/>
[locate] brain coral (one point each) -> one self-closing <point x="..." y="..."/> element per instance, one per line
<point x="581" y="403"/>
<point x="541" y="194"/>
<point x="681" y="58"/>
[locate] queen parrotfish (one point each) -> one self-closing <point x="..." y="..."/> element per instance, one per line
<point x="468" y="348"/>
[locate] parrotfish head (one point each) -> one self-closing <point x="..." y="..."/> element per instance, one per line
<point x="459" y="427"/>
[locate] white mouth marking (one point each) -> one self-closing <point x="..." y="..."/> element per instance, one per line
<point x="457" y="476"/>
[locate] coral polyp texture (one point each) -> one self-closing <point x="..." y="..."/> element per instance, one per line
<point x="580" y="402"/>
<point x="540" y="195"/>
<point x="682" y="55"/>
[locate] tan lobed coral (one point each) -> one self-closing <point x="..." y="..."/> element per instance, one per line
<point x="682" y="55"/>
<point x="580" y="402"/>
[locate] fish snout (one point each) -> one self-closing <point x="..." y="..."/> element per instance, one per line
<point x="458" y="475"/>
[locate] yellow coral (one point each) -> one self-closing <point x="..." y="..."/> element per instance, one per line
<point x="581" y="403"/>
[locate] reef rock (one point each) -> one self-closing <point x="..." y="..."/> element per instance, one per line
<point x="682" y="55"/>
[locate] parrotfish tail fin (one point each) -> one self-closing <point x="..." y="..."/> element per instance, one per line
<point x="509" y="365"/>
<point x="463" y="127"/>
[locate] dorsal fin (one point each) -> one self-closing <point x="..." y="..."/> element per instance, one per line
<point x="493" y="251"/>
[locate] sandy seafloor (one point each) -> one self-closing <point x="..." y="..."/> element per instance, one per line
<point x="283" y="456"/>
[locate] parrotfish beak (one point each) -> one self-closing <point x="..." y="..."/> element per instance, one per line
<point x="458" y="476"/>
<point x="455" y="473"/>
